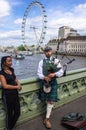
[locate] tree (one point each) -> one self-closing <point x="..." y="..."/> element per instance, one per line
<point x="21" y="48"/>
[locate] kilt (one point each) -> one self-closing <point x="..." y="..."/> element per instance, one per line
<point x="51" y="96"/>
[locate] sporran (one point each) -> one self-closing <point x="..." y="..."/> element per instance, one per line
<point x="47" y="87"/>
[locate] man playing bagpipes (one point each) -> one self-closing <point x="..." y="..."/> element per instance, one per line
<point x="48" y="69"/>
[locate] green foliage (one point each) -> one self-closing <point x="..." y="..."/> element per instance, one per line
<point x="21" y="48"/>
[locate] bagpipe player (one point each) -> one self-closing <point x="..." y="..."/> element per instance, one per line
<point x="49" y="69"/>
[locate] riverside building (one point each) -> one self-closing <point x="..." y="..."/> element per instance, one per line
<point x="69" y="41"/>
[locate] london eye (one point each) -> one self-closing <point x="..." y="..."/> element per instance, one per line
<point x="34" y="28"/>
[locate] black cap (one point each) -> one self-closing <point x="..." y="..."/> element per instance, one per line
<point x="47" y="48"/>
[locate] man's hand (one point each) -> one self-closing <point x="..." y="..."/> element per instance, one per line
<point x="47" y="78"/>
<point x="51" y="75"/>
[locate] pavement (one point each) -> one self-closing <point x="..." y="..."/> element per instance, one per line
<point x="78" y="105"/>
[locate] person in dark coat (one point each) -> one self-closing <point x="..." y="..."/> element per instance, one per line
<point x="48" y="69"/>
<point x="10" y="92"/>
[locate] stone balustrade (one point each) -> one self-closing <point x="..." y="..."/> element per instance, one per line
<point x="70" y="87"/>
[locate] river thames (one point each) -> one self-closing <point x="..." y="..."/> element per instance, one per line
<point x="28" y="67"/>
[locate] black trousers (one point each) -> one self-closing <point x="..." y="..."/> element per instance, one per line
<point x="12" y="107"/>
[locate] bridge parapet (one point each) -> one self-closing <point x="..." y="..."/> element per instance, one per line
<point x="70" y="87"/>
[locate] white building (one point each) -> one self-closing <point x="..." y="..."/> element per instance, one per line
<point x="53" y="44"/>
<point x="73" y="44"/>
<point x="66" y="31"/>
<point x="69" y="41"/>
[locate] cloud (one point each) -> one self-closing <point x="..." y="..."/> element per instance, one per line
<point x="10" y="38"/>
<point x="9" y="34"/>
<point x="81" y="8"/>
<point x="75" y="18"/>
<point x="18" y="21"/>
<point x="4" y="8"/>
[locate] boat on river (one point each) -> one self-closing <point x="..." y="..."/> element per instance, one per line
<point x="19" y="56"/>
<point x="28" y="53"/>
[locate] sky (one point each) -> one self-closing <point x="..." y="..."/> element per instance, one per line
<point x="59" y="13"/>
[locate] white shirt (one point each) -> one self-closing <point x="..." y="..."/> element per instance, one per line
<point x="40" y="69"/>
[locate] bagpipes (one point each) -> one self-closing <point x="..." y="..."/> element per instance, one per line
<point x="53" y="68"/>
<point x="65" y="66"/>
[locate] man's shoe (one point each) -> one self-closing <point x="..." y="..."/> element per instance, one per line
<point x="47" y="123"/>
